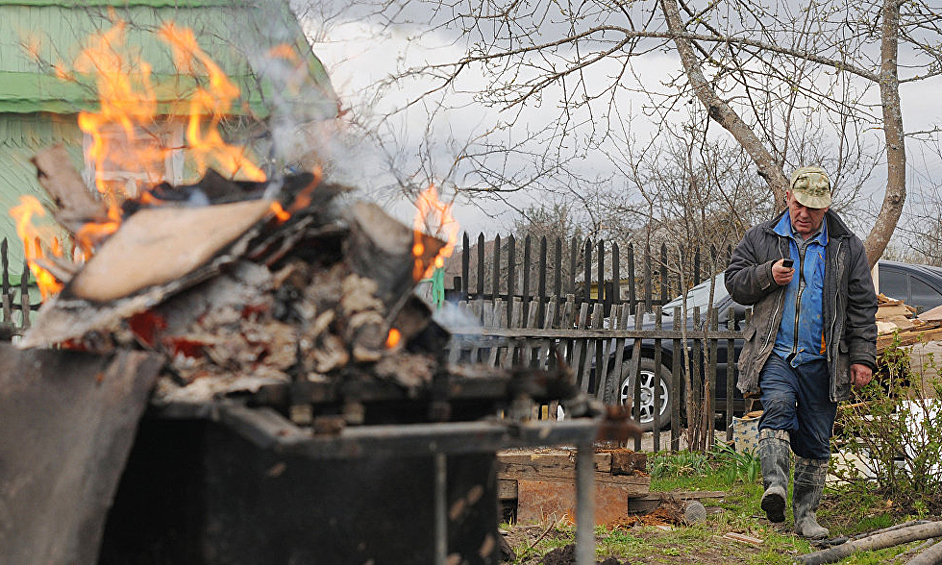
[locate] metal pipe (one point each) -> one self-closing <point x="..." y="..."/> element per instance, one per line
<point x="441" y="508"/>
<point x="585" y="504"/>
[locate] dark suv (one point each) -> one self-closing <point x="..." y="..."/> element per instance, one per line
<point x="917" y="285"/>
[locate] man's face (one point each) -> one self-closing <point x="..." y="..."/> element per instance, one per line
<point x="805" y="221"/>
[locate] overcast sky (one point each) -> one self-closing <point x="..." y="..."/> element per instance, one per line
<point x="358" y="52"/>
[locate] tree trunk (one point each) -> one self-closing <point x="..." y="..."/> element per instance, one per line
<point x="895" y="195"/>
<point x="721" y="112"/>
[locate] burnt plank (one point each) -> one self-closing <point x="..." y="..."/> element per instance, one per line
<point x="69" y="421"/>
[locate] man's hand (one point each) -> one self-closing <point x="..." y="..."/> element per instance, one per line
<point x="860" y="375"/>
<point x="782" y="275"/>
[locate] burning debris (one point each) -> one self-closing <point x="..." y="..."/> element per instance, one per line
<point x="270" y="281"/>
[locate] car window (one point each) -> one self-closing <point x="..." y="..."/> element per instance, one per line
<point x="894" y="284"/>
<point x="700" y="295"/>
<point x="924" y="296"/>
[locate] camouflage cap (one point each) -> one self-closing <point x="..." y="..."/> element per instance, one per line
<point x="811" y="187"/>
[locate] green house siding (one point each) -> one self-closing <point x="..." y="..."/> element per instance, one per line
<point x="38" y="110"/>
<point x="21" y="136"/>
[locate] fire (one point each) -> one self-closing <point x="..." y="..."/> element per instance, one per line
<point x="126" y="132"/>
<point x="32" y="239"/>
<point x="392" y="340"/>
<point x="432" y="212"/>
<point x="131" y="136"/>
<point x="206" y="143"/>
<point x="279" y="212"/>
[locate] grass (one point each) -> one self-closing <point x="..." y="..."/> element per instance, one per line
<point x="848" y="511"/>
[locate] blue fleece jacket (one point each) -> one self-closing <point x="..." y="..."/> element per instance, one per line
<point x="800" y="336"/>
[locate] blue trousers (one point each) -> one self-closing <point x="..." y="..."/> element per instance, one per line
<point x="796" y="399"/>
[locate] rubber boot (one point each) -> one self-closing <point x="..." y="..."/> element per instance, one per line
<point x="810" y="475"/>
<point x="775" y="458"/>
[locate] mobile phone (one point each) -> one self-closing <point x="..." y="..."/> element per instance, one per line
<point x="787" y="263"/>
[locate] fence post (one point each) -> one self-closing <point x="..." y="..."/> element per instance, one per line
<point x="588" y="270"/>
<point x="573" y="262"/>
<point x="647" y="279"/>
<point x="511" y="273"/>
<point x="465" y="267"/>
<point x="541" y="285"/>
<point x="632" y="305"/>
<point x="664" y="297"/>
<point x="526" y="276"/>
<point x="495" y="278"/>
<point x="616" y="275"/>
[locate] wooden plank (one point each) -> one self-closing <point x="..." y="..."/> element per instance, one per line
<point x="69" y="422"/>
<point x="573" y="251"/>
<point x="675" y="384"/>
<point x="587" y="263"/>
<point x="506" y="489"/>
<point x="596" y="322"/>
<point x="647" y="279"/>
<point x="550" y="461"/>
<point x="614" y="378"/>
<point x="631" y="279"/>
<point x="658" y="353"/>
<point x="616" y="275"/>
<point x="730" y="377"/>
<point x="480" y="281"/>
<point x="526" y="277"/>
<point x="500" y="320"/>
<point x="635" y="373"/>
<point x="566" y="322"/>
<point x="548" y="316"/>
<point x="579" y="346"/>
<point x="697" y="376"/>
<point x="710" y="387"/>
<point x="509" y="356"/>
<point x="495" y="276"/>
<point x="530" y="345"/>
<point x="465" y="266"/>
<point x="541" y="283"/>
<point x="511" y="273"/>
<point x="885" y="311"/>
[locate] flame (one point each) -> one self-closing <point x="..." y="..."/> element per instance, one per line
<point x="432" y="212"/>
<point x="30" y="234"/>
<point x="128" y="110"/>
<point x="207" y="143"/>
<point x="128" y="134"/>
<point x="279" y="212"/>
<point x="125" y="133"/>
<point x="392" y="340"/>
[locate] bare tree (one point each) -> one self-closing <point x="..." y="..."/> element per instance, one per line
<point x="793" y="83"/>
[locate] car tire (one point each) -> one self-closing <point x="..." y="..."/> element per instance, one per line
<point x="648" y="374"/>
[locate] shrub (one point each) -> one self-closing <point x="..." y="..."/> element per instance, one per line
<point x="894" y="429"/>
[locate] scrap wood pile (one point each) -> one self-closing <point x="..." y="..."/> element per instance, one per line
<point x="260" y="283"/>
<point x="896" y="319"/>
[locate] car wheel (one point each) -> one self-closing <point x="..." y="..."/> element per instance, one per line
<point x="652" y="379"/>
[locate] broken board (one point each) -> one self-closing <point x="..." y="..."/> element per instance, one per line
<point x="68" y="423"/>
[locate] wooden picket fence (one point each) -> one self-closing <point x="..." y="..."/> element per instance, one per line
<point x="14" y="298"/>
<point x="588" y="271"/>
<point x="513" y="327"/>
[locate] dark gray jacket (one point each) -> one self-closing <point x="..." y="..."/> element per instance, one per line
<point x="850" y="304"/>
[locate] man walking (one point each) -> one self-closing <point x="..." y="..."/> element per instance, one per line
<point x="812" y="337"/>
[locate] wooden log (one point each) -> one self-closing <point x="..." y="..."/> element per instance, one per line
<point x="873" y="542"/>
<point x="931" y="556"/>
